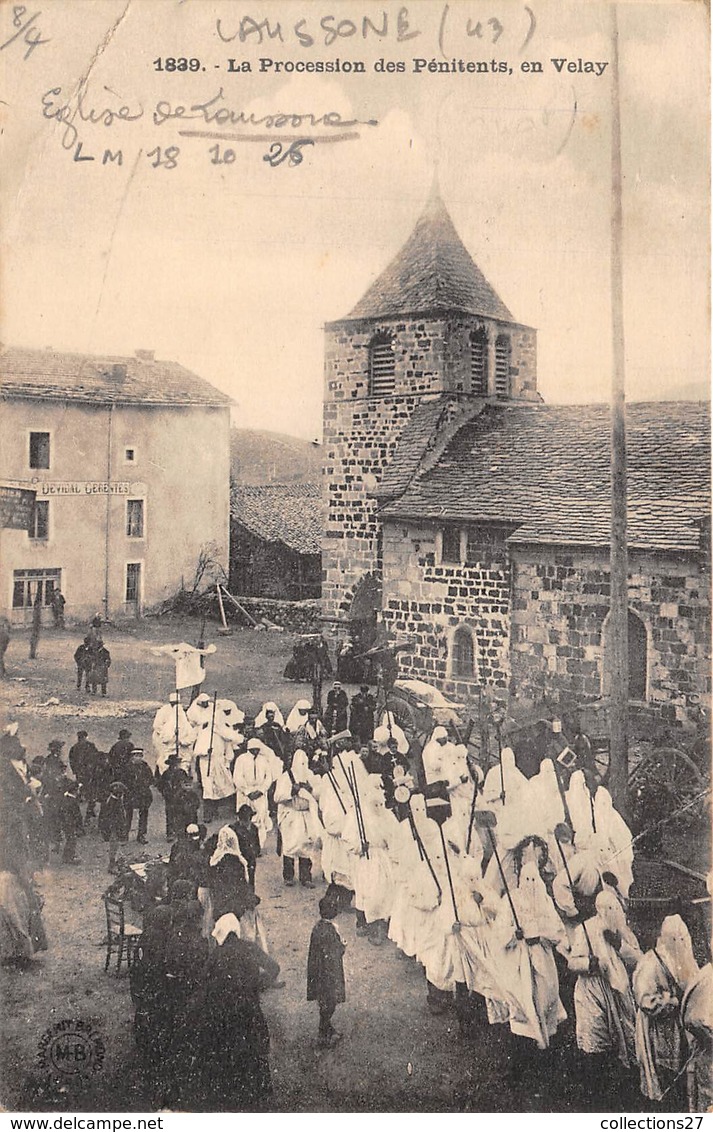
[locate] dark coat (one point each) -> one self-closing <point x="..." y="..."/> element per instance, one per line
<point x="325" y="966"/>
<point x="361" y="720"/>
<point x="82" y="758"/>
<point x="99" y="663"/>
<point x="139" y="778"/>
<point x="119" y="757"/>
<point x="335" y="717"/>
<point x="112" y="818"/>
<point x="229" y="887"/>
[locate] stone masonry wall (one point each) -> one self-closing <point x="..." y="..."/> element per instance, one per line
<point x="560" y="604"/>
<point x="360" y="435"/>
<point x="431" y="355"/>
<point x="428" y="601"/>
<point x="538" y="618"/>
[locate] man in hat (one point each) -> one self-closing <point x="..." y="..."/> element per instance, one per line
<point x="120" y="754"/>
<point x="54" y="777"/>
<point x="82" y="758"/>
<point x="336" y="714"/>
<point x="173" y="734"/>
<point x="139" y="796"/>
<point x="99" y="664"/>
<point x="172" y="783"/>
<point x="361" y="719"/>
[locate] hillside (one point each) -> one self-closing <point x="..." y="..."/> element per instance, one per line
<point x="261" y="457"/>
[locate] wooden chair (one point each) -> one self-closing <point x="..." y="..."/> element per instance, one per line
<point x="120" y="935"/>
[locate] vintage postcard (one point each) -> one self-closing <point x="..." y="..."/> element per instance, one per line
<point x="355" y="557"/>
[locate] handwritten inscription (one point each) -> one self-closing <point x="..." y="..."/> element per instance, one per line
<point x="27" y="32"/>
<point x="292" y="153"/>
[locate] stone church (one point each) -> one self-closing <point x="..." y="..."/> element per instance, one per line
<point x="475" y="518"/>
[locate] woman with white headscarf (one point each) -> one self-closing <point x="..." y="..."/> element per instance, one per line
<point x="612" y="841"/>
<point x="604" y="950"/>
<point x="526" y="963"/>
<point x="298" y="716"/>
<point x="233" y="1040"/>
<point x="227" y="878"/>
<point x="659" y="982"/>
<point x="697" y="1016"/>
<point x="298" y="820"/>
<point x="389" y="724"/>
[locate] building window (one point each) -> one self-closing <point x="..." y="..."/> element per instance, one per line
<point x="129" y="455"/>
<point x="40" y="450"/>
<point x="450" y="544"/>
<point x="479" y="363"/>
<point x="462" y="654"/>
<point x="638" y="657"/>
<point x="40" y="528"/>
<point x="27" y="583"/>
<point x="134" y="518"/>
<point x="382" y="366"/>
<point x="638" y="649"/>
<point x="133" y="582"/>
<point x="502" y="366"/>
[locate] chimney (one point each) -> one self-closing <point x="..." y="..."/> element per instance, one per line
<point x="117" y="373"/>
<point x="145" y="355"/>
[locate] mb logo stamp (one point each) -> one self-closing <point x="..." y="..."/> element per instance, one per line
<point x="72" y="1049"/>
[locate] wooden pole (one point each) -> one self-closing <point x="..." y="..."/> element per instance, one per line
<point x="618" y="651"/>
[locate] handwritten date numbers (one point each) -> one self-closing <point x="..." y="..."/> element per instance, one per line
<point x="182" y="64"/>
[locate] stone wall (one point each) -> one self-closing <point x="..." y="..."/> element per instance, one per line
<point x="295" y="616"/>
<point x="431" y="356"/>
<point x="559" y="631"/>
<point x="538" y="617"/>
<point x="429" y="600"/>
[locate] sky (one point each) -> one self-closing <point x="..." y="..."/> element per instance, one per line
<point x="233" y="267"/>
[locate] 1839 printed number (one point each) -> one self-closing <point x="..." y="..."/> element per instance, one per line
<point x="170" y="64"/>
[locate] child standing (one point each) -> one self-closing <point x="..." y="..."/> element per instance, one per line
<point x="325" y="971"/>
<point x="112" y="820"/>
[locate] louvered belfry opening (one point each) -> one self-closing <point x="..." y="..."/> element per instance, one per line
<point x="382" y="367"/>
<point x="479" y="363"/>
<point x="502" y="366"/>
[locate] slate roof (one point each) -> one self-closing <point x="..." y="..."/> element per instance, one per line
<point x="289" y="513"/>
<point x="546" y="468"/>
<point x="53" y="375"/>
<point x="434" y="271"/>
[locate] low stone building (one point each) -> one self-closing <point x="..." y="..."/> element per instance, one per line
<point x="496" y="555"/>
<point x="275" y="541"/>
<point x="477" y="517"/>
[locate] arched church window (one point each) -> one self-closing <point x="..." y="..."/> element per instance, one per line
<point x="502" y="366"/>
<point x="479" y="363"/>
<point x="462" y="654"/>
<point x="638" y="656"/>
<point x="638" y="660"/>
<point x="382" y="366"/>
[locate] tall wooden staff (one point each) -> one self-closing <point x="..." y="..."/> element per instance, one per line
<point x="212" y="729"/>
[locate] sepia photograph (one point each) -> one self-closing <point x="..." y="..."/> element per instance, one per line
<point x="355" y="558"/>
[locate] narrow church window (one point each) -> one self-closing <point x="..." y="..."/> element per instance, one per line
<point x="450" y="544"/>
<point x="502" y="366"/>
<point x="382" y="365"/>
<point x="463" y="654"/>
<point x="637" y="657"/>
<point x="479" y="363"/>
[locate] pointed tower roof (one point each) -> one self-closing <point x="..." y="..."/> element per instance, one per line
<point x="433" y="272"/>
